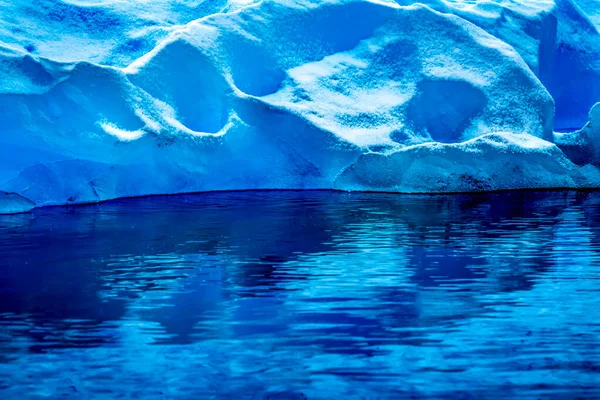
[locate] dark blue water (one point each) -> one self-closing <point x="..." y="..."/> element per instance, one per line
<point x="304" y="295"/>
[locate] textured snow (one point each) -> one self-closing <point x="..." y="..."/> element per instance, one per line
<point x="558" y="39"/>
<point x="114" y="98"/>
<point x="583" y="146"/>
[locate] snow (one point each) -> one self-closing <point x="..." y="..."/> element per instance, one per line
<point x="556" y="38"/>
<point x="496" y="161"/>
<point x="116" y="98"/>
<point x="583" y="146"/>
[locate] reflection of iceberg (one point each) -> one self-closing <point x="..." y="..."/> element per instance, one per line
<point x="326" y="284"/>
<point x="173" y="96"/>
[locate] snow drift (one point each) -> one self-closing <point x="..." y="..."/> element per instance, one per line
<point x="115" y="99"/>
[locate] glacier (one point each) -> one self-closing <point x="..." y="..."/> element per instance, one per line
<point x="101" y="99"/>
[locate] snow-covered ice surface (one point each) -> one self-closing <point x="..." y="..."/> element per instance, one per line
<point x="115" y="98"/>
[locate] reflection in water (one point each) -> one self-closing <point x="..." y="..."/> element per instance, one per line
<point x="313" y="295"/>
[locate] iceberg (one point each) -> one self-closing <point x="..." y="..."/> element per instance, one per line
<point x="118" y="99"/>
<point x="12" y="203"/>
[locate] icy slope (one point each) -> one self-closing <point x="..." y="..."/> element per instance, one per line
<point x="12" y="203"/>
<point x="583" y="146"/>
<point x="558" y="39"/>
<point x="117" y="98"/>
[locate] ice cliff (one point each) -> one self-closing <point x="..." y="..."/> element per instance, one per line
<point x="116" y="98"/>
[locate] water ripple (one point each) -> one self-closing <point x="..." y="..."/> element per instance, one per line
<point x="317" y="295"/>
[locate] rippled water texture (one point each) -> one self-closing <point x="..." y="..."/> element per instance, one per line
<point x="293" y="295"/>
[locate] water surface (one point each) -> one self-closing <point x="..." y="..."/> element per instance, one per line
<point x="304" y="295"/>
